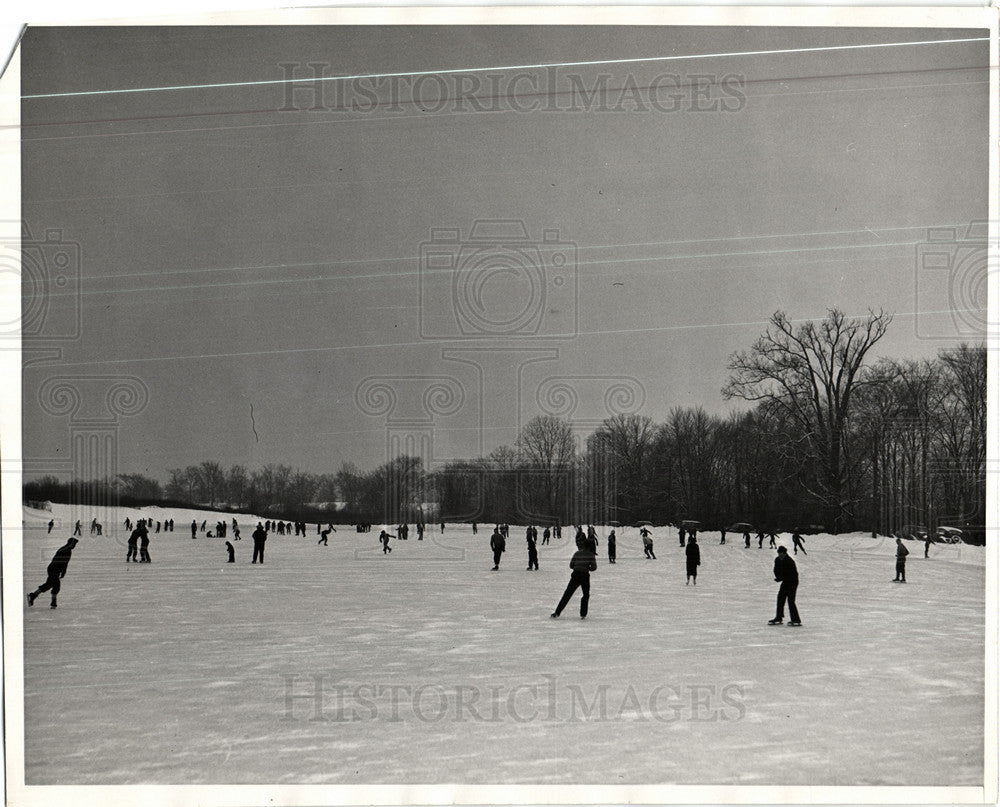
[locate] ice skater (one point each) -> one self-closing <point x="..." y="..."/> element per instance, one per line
<point x="927" y="545"/>
<point x="612" y="547"/>
<point x="582" y="563"/>
<point x="545" y="536"/>
<point x="798" y="544"/>
<point x="693" y="553"/>
<point x="384" y="540"/>
<point x="325" y="535"/>
<point x="194" y="529"/>
<point x="647" y="543"/>
<point x="52" y="523"/>
<point x="232" y="552"/>
<point x="56" y="571"/>
<point x="133" y="544"/>
<point x="786" y="573"/>
<point x="723" y="531"/>
<point x="144" y="546"/>
<point x="901" y="553"/>
<point x="532" y="538"/>
<point x="76" y="530"/>
<point x="499" y="545"/>
<point x="259" y="539"/>
<point x="681" y="534"/>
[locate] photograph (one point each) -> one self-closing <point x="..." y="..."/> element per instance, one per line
<point x="597" y="396"/>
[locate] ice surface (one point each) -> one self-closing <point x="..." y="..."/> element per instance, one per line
<point x="436" y="669"/>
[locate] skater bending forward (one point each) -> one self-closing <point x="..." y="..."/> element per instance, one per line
<point x="786" y="573"/>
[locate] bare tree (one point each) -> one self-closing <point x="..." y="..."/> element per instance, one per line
<point x="548" y="450"/>
<point x="811" y="372"/>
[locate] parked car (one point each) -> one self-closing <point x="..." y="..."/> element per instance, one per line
<point x="949" y="535"/>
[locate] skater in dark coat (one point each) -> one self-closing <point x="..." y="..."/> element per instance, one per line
<point x="259" y="539"/>
<point x="56" y="571"/>
<point x="76" y="529"/>
<point x="723" y="531"/>
<point x="144" y="546"/>
<point x="682" y="534"/>
<point x="746" y="538"/>
<point x="532" y="538"/>
<point x="612" y="547"/>
<point x="232" y="552"/>
<point x="545" y="535"/>
<point x="901" y="553"/>
<point x="797" y="544"/>
<point x="194" y="529"/>
<point x="52" y="523"/>
<point x="133" y="544"/>
<point x="693" y="552"/>
<point x="786" y="573"/>
<point x="582" y="563"/>
<point x="498" y="545"/>
<point x="927" y="545"/>
<point x="384" y="540"/>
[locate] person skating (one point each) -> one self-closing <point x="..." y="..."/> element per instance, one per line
<point x="582" y="563"/>
<point x="133" y="544"/>
<point x="498" y="545"/>
<point x="773" y="539"/>
<point x="760" y="539"/>
<point x="56" y="571"/>
<point x="232" y="552"/>
<point x="927" y="545"/>
<point x="786" y="573"/>
<point x="194" y="529"/>
<point x="901" y="553"/>
<point x="259" y="539"/>
<point x="76" y="530"/>
<point x="612" y="547"/>
<point x="532" y="538"/>
<point x="798" y="544"/>
<point x="545" y="536"/>
<point x="693" y="553"/>
<point x="723" y="531"/>
<point x="647" y="543"/>
<point x="682" y="535"/>
<point x="52" y="523"/>
<point x="144" y="546"/>
<point x="324" y="536"/>
<point x="384" y="540"/>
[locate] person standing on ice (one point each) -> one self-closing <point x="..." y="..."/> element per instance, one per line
<point x="545" y="536"/>
<point x="582" y="563"/>
<point x="532" y="538"/>
<point x="723" y="531"/>
<point x="56" y="571"/>
<point x="76" y="530"/>
<point x="259" y="539"/>
<point x="499" y="546"/>
<point x="693" y="553"/>
<point x="144" y="546"/>
<point x="232" y="552"/>
<point x="682" y="535"/>
<point x="133" y="544"/>
<point x="612" y="547"/>
<point x="927" y="545"/>
<point x="786" y="573"/>
<point x="194" y="529"/>
<point x="901" y="553"/>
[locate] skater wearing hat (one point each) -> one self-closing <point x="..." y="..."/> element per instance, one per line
<point x="56" y="572"/>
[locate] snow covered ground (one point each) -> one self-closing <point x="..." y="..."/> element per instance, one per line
<point x="432" y="668"/>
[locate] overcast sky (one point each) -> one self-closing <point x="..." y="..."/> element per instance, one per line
<point x="235" y="254"/>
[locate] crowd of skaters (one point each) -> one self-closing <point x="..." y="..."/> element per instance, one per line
<point x="583" y="562"/>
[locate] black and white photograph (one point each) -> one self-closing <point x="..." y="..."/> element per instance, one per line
<point x="483" y="405"/>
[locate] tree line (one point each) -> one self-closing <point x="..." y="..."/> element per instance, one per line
<point x="833" y="439"/>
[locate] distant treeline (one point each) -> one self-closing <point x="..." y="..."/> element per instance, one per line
<point x="833" y="441"/>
